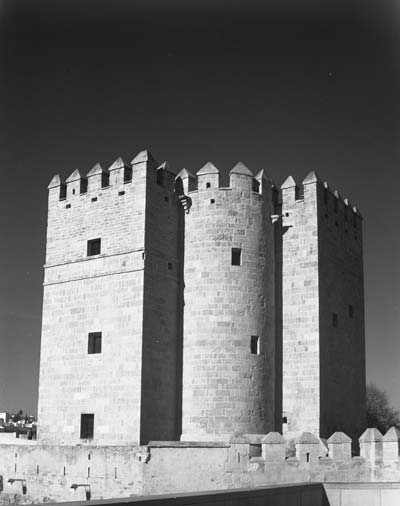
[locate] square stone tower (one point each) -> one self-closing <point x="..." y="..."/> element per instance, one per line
<point x="112" y="329"/>
<point x="322" y="311"/>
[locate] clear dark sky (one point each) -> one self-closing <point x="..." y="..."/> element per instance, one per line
<point x="289" y="86"/>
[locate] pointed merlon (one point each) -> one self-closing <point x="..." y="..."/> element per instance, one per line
<point x="273" y="438"/>
<point x="163" y="166"/>
<point x="208" y="168"/>
<point x="240" y="168"/>
<point x="357" y="211"/>
<point x="347" y="202"/>
<point x="263" y="176"/>
<point x="337" y="194"/>
<point x="96" y="169"/>
<point x="143" y="156"/>
<point x="307" y="438"/>
<point x="184" y="174"/>
<point x="75" y="176"/>
<point x="56" y="181"/>
<point x="118" y="164"/>
<point x="370" y="435"/>
<point x="392" y="435"/>
<point x="326" y="185"/>
<point x="339" y="437"/>
<point x="288" y="183"/>
<point x="312" y="177"/>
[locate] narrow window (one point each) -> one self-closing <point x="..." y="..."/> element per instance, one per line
<point x="87" y="425"/>
<point x="212" y="201"/>
<point x="94" y="342"/>
<point x="68" y="206"/>
<point x="63" y="191"/>
<point x="335" y="320"/>
<point x="351" y="311"/>
<point x="236" y="256"/>
<point x="105" y="179"/>
<point x="94" y="199"/>
<point x="93" y="247"/>
<point x="255" y="345"/>
<point x="256" y="186"/>
<point x="208" y="185"/>
<point x="121" y="193"/>
<point x="127" y="174"/>
<point x="169" y="266"/>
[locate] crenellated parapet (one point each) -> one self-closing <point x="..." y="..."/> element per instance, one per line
<point x="120" y="174"/>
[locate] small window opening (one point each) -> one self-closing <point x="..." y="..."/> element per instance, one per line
<point x="87" y="425"/>
<point x="351" y="311"/>
<point x="88" y="472"/>
<point x="212" y="201"/>
<point x="335" y="320"/>
<point x="83" y="186"/>
<point x="37" y="469"/>
<point x="256" y="186"/>
<point x="64" y="471"/>
<point x="299" y="193"/>
<point x="127" y="174"/>
<point x="73" y="191"/>
<point x="115" y="472"/>
<point x="287" y="215"/>
<point x="93" y="247"/>
<point x="68" y="206"/>
<point x="325" y="195"/>
<point x="160" y="177"/>
<point x="308" y="457"/>
<point x="238" y="458"/>
<point x="208" y="185"/>
<point x="121" y="193"/>
<point x="284" y="417"/>
<point x="94" y="199"/>
<point x="236" y="256"/>
<point x="105" y="179"/>
<point x="94" y="342"/>
<point x="63" y="191"/>
<point x="170" y="266"/>
<point x="89" y="456"/>
<point x="255" y="345"/>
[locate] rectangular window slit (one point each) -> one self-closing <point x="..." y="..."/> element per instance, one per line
<point x="94" y="199"/>
<point x="208" y="185"/>
<point x="64" y="473"/>
<point x="93" y="247"/>
<point x="63" y="191"/>
<point x="68" y="206"/>
<point x="87" y="425"/>
<point x="236" y="256"/>
<point x="127" y="174"/>
<point x="94" y="344"/>
<point x="105" y="179"/>
<point x="212" y="201"/>
<point x="37" y="469"/>
<point x="255" y="345"/>
<point x="121" y="193"/>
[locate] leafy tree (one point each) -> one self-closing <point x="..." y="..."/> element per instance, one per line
<point x="380" y="413"/>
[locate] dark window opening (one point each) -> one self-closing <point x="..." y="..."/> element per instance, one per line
<point x="256" y="186"/>
<point x="287" y="215"/>
<point x="93" y="247"/>
<point x="121" y="193"/>
<point x="63" y="191"/>
<point x="169" y="266"/>
<point x="236" y="256"/>
<point x="208" y="185"/>
<point x="335" y="320"/>
<point x="94" y="199"/>
<point x="160" y="176"/>
<point x="351" y="311"/>
<point x="127" y="174"/>
<point x="73" y="191"/>
<point x="94" y="342"/>
<point x="87" y="425"/>
<point x="68" y="206"/>
<point x="83" y="186"/>
<point x="212" y="201"/>
<point x="299" y="193"/>
<point x="284" y="418"/>
<point x="325" y="195"/>
<point x="308" y="457"/>
<point x="105" y="179"/>
<point x="255" y="345"/>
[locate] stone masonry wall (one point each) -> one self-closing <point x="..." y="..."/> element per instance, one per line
<point x="226" y="388"/>
<point x="341" y="293"/>
<point x="300" y="309"/>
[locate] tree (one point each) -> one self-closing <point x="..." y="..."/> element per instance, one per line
<point x="380" y="413"/>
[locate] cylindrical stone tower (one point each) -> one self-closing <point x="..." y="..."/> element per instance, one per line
<point x="229" y="328"/>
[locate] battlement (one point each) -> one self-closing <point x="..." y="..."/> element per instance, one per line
<point x="119" y="174"/>
<point x="240" y="178"/>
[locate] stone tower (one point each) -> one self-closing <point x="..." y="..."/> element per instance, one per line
<point x="322" y="311"/>
<point x="112" y="307"/>
<point x="229" y="319"/>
